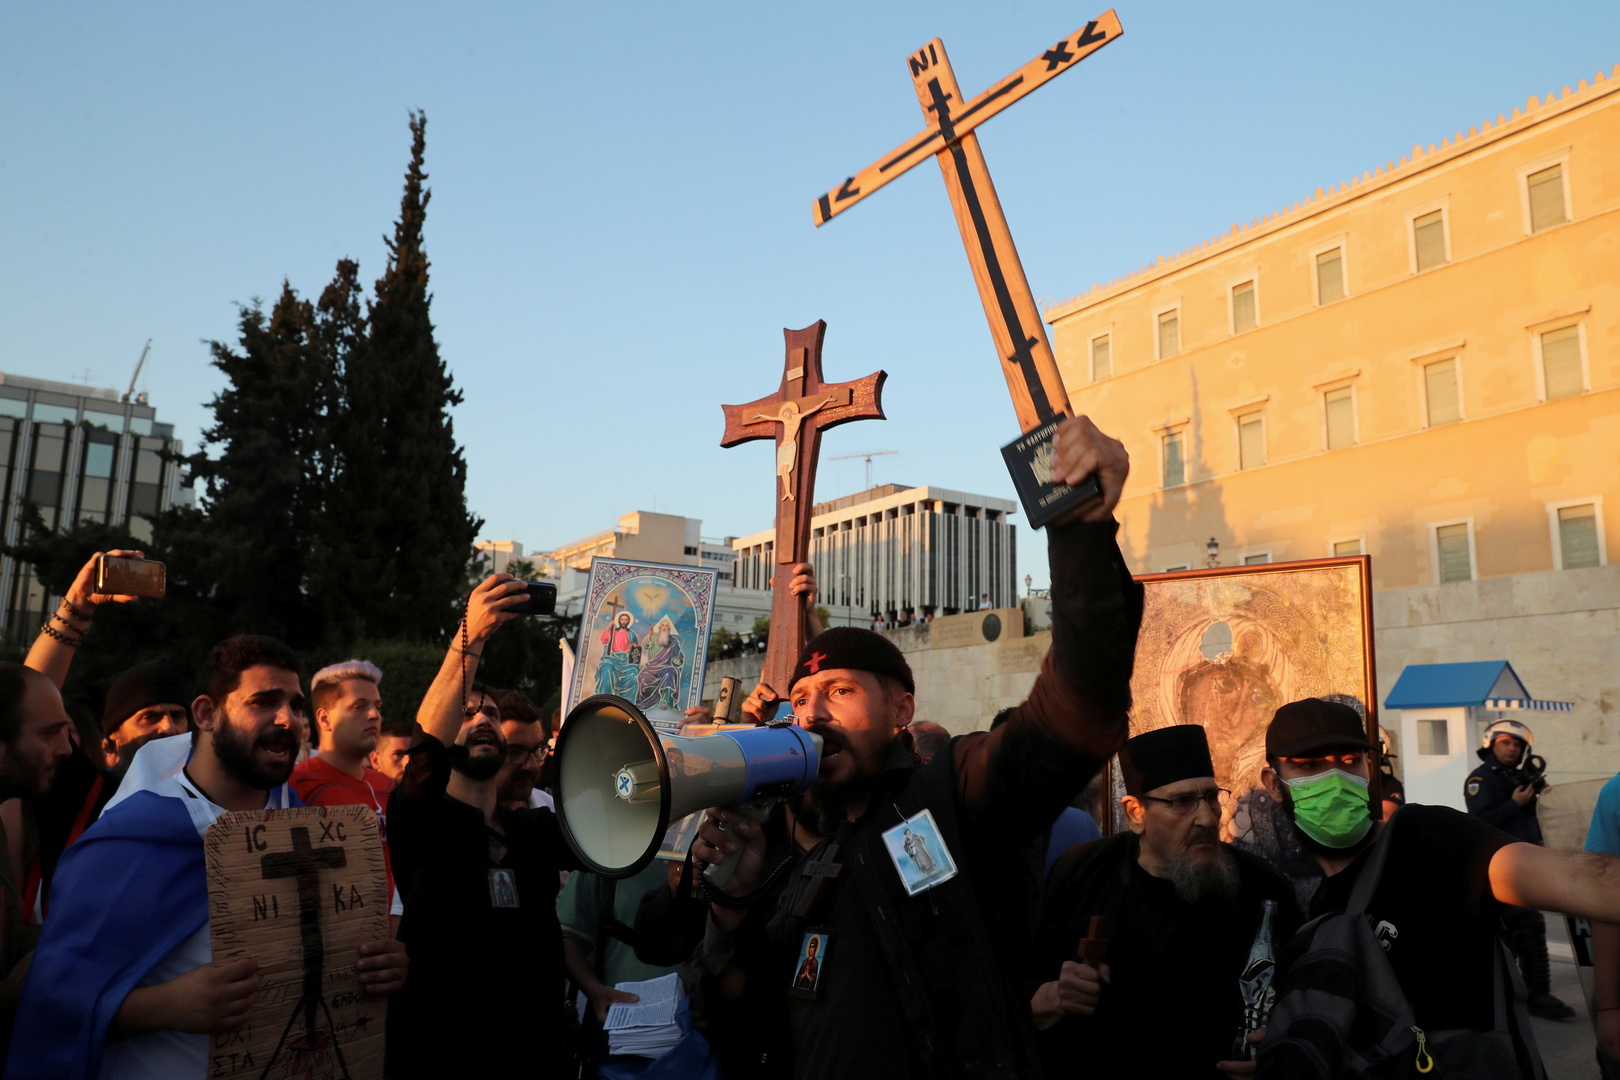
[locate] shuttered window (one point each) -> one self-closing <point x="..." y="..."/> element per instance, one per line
<point x="1251" y="441"/>
<point x="1102" y="358"/>
<point x="1429" y="239"/>
<point x="1561" y="362"/>
<point x="1330" y="276"/>
<point x="1257" y="559"/>
<point x="1578" y="537"/>
<point x="1440" y="392"/>
<point x="1175" y="462"/>
<point x="1244" y="317"/>
<point x="1340" y="407"/>
<point x="1451" y="543"/>
<point x="1346" y="547"/>
<point x="1169" y="334"/>
<point x="1546" y="198"/>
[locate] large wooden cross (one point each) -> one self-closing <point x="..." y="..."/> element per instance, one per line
<point x="1015" y="323"/>
<point x="795" y="416"/>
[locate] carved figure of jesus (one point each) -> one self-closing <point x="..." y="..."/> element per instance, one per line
<point x="787" y="451"/>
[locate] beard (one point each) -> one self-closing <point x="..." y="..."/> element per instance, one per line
<point x="480" y="768"/>
<point x="1193" y="882"/>
<point x="1315" y="847"/>
<point x="519" y="786"/>
<point x="236" y="749"/>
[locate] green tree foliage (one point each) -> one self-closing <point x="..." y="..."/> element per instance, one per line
<point x="403" y="465"/>
<point x="333" y="512"/>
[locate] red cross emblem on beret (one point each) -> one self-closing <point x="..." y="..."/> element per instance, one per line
<point x="814" y="663"/>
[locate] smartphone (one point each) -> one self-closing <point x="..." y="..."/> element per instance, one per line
<point x="120" y="576"/>
<point x="542" y="599"/>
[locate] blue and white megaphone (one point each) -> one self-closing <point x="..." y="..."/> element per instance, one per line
<point x="621" y="782"/>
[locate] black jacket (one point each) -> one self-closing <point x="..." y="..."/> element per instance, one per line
<point x="1489" y="791"/>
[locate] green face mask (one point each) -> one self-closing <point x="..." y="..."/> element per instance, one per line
<point x="1331" y="808"/>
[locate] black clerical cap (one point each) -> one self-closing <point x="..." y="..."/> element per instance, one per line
<point x="857" y="649"/>
<point x="1165" y="756"/>
<point x="1311" y="727"/>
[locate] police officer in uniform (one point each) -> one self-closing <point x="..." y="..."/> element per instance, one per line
<point x="1499" y="792"/>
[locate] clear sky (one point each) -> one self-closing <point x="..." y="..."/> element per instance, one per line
<point x="621" y="227"/>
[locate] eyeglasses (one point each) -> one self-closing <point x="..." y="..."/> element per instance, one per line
<point x="1186" y="804"/>
<point x="518" y="755"/>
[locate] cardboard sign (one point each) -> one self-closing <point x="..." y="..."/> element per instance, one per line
<point x="299" y="891"/>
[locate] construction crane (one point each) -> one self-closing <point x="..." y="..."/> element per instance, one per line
<point x="868" y="455"/>
<point x="138" y="365"/>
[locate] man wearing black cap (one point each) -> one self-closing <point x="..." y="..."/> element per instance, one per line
<point x="921" y="970"/>
<point x="1446" y="876"/>
<point x="1182" y="913"/>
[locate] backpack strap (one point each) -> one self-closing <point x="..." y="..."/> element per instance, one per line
<point x="1367" y="883"/>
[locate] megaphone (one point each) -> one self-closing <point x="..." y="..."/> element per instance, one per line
<point x="621" y="782"/>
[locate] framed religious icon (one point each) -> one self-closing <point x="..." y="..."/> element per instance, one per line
<point x="1226" y="647"/>
<point x="807" y="971"/>
<point x="644" y="636"/>
<point x="919" y="853"/>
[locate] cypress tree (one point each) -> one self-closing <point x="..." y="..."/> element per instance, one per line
<point x="398" y="391"/>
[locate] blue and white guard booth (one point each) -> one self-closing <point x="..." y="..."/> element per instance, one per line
<point x="1445" y="709"/>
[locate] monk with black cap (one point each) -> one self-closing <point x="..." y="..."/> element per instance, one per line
<point x="1438" y="902"/>
<point x="1182" y="910"/>
<point x="923" y="938"/>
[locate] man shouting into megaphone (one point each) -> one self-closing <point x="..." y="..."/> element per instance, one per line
<point x="917" y="898"/>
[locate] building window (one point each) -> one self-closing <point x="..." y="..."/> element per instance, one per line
<point x="1341" y="548"/>
<point x="1102" y="357"/>
<point x="1340" y="407"/>
<point x="1561" y="363"/>
<point x="1169" y="335"/>
<point x="1330" y="276"/>
<point x="1546" y="191"/>
<point x="1452" y="555"/>
<point x="1440" y="392"/>
<point x="1175" y="460"/>
<point x="1429" y="240"/>
<point x="1251" y="440"/>
<point x="1579" y="544"/>
<point x="1244" y="315"/>
<point x="1434" y="738"/>
<point x="1176" y="569"/>
<point x="1257" y="558"/>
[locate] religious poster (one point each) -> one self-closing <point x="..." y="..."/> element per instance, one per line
<point x="299" y="891"/>
<point x="644" y="636"/>
<point x="1226" y="647"/>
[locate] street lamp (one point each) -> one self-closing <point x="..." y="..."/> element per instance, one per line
<point x="1213" y="550"/>
<point x="1028" y="581"/>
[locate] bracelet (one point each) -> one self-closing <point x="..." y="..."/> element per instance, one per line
<point x="78" y="627"/>
<point x="82" y="616"/>
<point x="72" y="643"/>
<point x="467" y="652"/>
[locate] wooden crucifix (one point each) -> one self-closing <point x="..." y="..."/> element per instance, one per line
<point x="795" y="416"/>
<point x="1038" y="395"/>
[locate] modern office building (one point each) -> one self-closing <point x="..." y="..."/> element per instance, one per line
<point x="1421" y="364"/>
<point x="78" y="454"/>
<point x="893" y="548"/>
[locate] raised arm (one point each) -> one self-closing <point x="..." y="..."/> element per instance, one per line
<point x="1581" y="883"/>
<point x="1025" y="771"/>
<point x="52" y="652"/>
<point x="442" y="709"/>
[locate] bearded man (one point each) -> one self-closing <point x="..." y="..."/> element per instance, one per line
<point x="478" y="880"/>
<point x="123" y="982"/>
<point x="1182" y="912"/>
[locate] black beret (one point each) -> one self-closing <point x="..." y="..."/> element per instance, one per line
<point x="156" y="682"/>
<point x="854" y="648"/>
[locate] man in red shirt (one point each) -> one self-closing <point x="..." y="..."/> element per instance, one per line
<point x="348" y="719"/>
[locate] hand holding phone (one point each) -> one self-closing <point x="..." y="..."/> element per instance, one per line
<point x="542" y="599"/>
